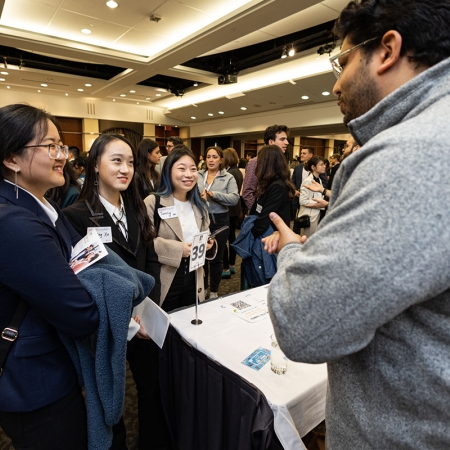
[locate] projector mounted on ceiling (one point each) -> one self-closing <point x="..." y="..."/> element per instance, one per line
<point x="227" y="79"/>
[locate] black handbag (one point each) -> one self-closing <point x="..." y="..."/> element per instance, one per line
<point x="303" y="221"/>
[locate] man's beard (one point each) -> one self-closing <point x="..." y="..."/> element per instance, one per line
<point x="361" y="95"/>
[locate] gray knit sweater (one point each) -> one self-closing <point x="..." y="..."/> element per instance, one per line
<point x="369" y="292"/>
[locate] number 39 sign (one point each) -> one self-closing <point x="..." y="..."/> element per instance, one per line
<point x="198" y="251"/>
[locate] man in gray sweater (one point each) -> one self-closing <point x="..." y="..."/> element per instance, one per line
<point x="369" y="292"/>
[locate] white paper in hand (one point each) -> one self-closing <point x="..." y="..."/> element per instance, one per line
<point x="154" y="319"/>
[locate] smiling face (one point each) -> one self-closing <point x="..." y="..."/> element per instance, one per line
<point x="281" y="140"/>
<point x="213" y="160"/>
<point x="356" y="88"/>
<point x="115" y="168"/>
<point x="154" y="156"/>
<point x="184" y="177"/>
<point x="37" y="173"/>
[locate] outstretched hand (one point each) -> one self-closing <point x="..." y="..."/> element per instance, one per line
<point x="276" y="241"/>
<point x="314" y="186"/>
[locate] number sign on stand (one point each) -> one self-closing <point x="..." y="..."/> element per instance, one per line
<point x="198" y="253"/>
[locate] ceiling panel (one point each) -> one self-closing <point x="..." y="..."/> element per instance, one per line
<point x="142" y="42"/>
<point x="27" y="14"/>
<point x="216" y="6"/>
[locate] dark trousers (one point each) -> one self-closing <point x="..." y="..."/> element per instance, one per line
<point x="215" y="266"/>
<point x="182" y="290"/>
<point x="58" y="426"/>
<point x="229" y="254"/>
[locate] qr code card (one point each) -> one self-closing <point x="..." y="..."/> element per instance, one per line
<point x="257" y="359"/>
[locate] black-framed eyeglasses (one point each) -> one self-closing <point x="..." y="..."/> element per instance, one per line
<point x="55" y="151"/>
<point x="334" y="60"/>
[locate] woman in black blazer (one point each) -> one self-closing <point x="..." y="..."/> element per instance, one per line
<point x="275" y="189"/>
<point x="110" y="199"/>
<point x="148" y="157"/>
<point x="41" y="405"/>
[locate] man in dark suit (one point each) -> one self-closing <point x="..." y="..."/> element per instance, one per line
<point x="300" y="173"/>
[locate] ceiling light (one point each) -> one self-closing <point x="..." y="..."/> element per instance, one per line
<point x="221" y="112"/>
<point x="39" y="90"/>
<point x="122" y="95"/>
<point x="210" y="114"/>
<point x="67" y="94"/>
<point x="2" y="79"/>
<point x="148" y="98"/>
<point x="132" y="92"/>
<point x="284" y="54"/>
<point x="161" y="90"/>
<point x="292" y="82"/>
<point x="325" y="93"/>
<point x="8" y="87"/>
<point x="305" y="97"/>
<point x="112" y="4"/>
<point x="80" y="90"/>
<point x="193" y="117"/>
<point x="86" y="31"/>
<point x="114" y="99"/>
<point x="137" y="103"/>
<point x="44" y="85"/>
<point x="88" y="85"/>
<point x="195" y="84"/>
<point x="4" y="73"/>
<point x="291" y="51"/>
<point x="243" y="108"/>
<point x="158" y="95"/>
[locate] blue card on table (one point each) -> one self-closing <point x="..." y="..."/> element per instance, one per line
<point x="257" y="359"/>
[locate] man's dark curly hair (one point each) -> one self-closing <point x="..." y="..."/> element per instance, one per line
<point x="423" y="24"/>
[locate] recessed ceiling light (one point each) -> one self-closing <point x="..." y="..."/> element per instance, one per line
<point x="123" y="95"/>
<point x="44" y="85"/>
<point x="80" y="90"/>
<point x="161" y="90"/>
<point x="137" y="103"/>
<point x="210" y="114"/>
<point x="86" y="31"/>
<point x="39" y="90"/>
<point x="193" y="117"/>
<point x="114" y="99"/>
<point x="158" y="95"/>
<point x="2" y="79"/>
<point x="112" y="4"/>
<point x="291" y="52"/>
<point x="132" y="92"/>
<point x="88" y="85"/>
<point x="4" y="73"/>
<point x="221" y="112"/>
<point x="148" y="98"/>
<point x="67" y="94"/>
<point x="195" y="84"/>
<point x="243" y="108"/>
<point x="8" y="87"/>
<point x="305" y="97"/>
<point x="325" y="93"/>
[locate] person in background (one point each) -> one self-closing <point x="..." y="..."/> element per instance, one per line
<point x="110" y="199"/>
<point x="201" y="163"/>
<point x="74" y="152"/>
<point x="41" y="403"/>
<point x="173" y="242"/>
<point x="171" y="143"/>
<point x="308" y="206"/>
<point x="219" y="189"/>
<point x="147" y="177"/>
<point x="79" y="169"/>
<point x="335" y="161"/>
<point x="68" y="193"/>
<point x="230" y="162"/>
<point x="350" y="147"/>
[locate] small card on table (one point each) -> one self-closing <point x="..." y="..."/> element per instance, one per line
<point x="257" y="359"/>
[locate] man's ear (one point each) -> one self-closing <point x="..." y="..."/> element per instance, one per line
<point x="271" y="142"/>
<point x="389" y="50"/>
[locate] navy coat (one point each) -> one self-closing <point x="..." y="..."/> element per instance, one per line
<point x="34" y="256"/>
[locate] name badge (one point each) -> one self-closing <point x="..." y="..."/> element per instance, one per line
<point x="104" y="233"/>
<point x="258" y="208"/>
<point x="167" y="212"/>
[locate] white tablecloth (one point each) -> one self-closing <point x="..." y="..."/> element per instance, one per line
<point x="297" y="398"/>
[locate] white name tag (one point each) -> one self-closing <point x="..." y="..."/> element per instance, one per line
<point x="258" y="208"/>
<point x="168" y="212"/>
<point x="104" y="233"/>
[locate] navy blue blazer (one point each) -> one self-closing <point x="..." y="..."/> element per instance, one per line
<point x="34" y="266"/>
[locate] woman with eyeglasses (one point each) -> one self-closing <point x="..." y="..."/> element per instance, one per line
<point x="110" y="200"/>
<point x="149" y="156"/>
<point x="41" y="405"/>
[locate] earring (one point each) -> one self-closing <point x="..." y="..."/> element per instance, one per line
<point x="16" y="187"/>
<point x="96" y="179"/>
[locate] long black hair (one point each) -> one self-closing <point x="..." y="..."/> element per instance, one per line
<point x="145" y="170"/>
<point x="130" y="195"/>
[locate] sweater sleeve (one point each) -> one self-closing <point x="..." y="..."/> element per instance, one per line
<point x="250" y="184"/>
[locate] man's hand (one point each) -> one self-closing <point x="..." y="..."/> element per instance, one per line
<point x="317" y="203"/>
<point x="275" y="242"/>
